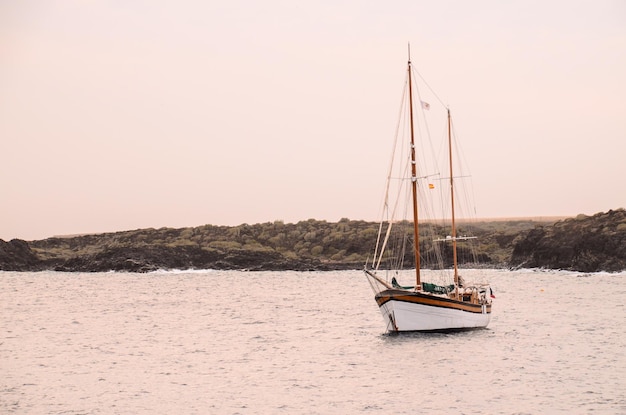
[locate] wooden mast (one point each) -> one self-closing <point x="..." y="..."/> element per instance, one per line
<point x="454" y="257"/>
<point x="418" y="283"/>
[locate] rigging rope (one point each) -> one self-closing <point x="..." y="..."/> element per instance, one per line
<point x="428" y="165"/>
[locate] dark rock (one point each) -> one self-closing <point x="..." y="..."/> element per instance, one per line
<point x="585" y="243"/>
<point x="140" y="259"/>
<point x="16" y="255"/>
<point x="152" y="258"/>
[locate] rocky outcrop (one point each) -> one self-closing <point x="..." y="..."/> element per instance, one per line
<point x="16" y="255"/>
<point x="585" y="243"/>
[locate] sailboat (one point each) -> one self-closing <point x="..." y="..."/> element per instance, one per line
<point x="446" y="302"/>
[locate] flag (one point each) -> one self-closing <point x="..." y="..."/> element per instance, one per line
<point x="425" y="105"/>
<point x="431" y="186"/>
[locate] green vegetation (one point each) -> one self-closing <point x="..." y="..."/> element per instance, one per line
<point x="310" y="244"/>
<point x="584" y="243"/>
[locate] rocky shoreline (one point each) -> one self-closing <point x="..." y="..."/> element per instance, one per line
<point x="584" y="243"/>
<point x="16" y="255"/>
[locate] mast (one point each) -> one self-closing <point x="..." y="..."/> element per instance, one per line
<point x="418" y="282"/>
<point x="454" y="257"/>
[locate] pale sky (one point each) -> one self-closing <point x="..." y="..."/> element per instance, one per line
<point x="119" y="115"/>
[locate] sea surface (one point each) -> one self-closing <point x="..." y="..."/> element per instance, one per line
<point x="216" y="342"/>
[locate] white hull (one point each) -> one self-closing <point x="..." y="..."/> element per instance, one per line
<point x="406" y="310"/>
<point x="405" y="316"/>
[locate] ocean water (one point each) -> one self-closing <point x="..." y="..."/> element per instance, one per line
<point x="303" y="343"/>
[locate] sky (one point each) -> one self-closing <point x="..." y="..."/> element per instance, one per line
<point x="119" y="115"/>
